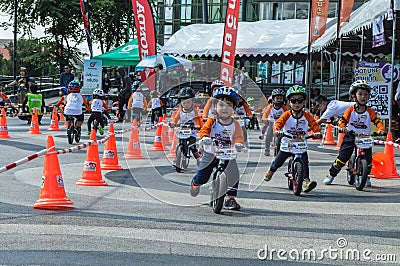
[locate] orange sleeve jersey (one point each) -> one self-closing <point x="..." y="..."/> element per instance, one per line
<point x="360" y="122"/>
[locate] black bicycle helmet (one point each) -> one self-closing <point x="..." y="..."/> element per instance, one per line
<point x="185" y="93"/>
<point x="277" y="92"/>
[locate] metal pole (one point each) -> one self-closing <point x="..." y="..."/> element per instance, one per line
<point x="338" y="70"/>
<point x="308" y="80"/>
<point x="15" y="43"/>
<point x="362" y="45"/>
<point x="392" y="68"/>
<point x="321" y="69"/>
<point x="204" y="5"/>
<point x="244" y="10"/>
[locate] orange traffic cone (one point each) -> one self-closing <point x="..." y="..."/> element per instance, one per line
<point x="134" y="144"/>
<point x="62" y="117"/>
<point x="3" y="125"/>
<point x="329" y="136"/>
<point x="340" y="141"/>
<point x="54" y="121"/>
<point x="110" y="154"/>
<point x="158" y="143"/>
<point x="381" y="163"/>
<point x="34" y="129"/>
<point x="172" y="153"/>
<point x="91" y="175"/>
<point x="389" y="152"/>
<point x="52" y="193"/>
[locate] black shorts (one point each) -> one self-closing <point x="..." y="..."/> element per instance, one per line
<point x="79" y="118"/>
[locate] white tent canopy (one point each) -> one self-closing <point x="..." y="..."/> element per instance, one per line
<point x="362" y="17"/>
<point x="265" y="37"/>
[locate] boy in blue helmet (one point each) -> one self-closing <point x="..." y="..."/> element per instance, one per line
<point x="226" y="130"/>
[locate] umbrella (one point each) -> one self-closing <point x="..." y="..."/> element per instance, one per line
<point x="166" y="60"/>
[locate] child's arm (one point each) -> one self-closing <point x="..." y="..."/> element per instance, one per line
<point x="266" y="112"/>
<point x="144" y="103"/>
<point x="238" y="134"/>
<point x="376" y="120"/>
<point x="280" y="123"/>
<point x="85" y="103"/>
<point x="206" y="128"/>
<point x="248" y="110"/>
<point x="177" y="117"/>
<point x="130" y="102"/>
<point x="312" y="123"/>
<point x="346" y="117"/>
<point x="58" y="103"/>
<point x="207" y="107"/>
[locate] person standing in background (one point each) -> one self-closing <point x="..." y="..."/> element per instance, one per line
<point x="66" y="77"/>
<point x="106" y="83"/>
<point x="23" y="82"/>
<point x="124" y="94"/>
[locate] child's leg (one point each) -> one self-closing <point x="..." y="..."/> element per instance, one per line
<point x="100" y="118"/>
<point x="89" y="122"/>
<point x="232" y="172"/>
<point x="278" y="162"/>
<point x="205" y="169"/>
<point x="345" y="152"/>
<point x="368" y="157"/>
<point x="269" y="136"/>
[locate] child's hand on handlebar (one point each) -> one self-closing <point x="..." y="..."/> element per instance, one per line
<point x="317" y="135"/>
<point x="381" y="132"/>
<point x="279" y="133"/>
<point x="240" y="147"/>
<point x="205" y="141"/>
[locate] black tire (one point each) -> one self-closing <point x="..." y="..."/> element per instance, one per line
<point x="298" y="177"/>
<point x="290" y="177"/>
<point x="362" y="175"/>
<point x="77" y="135"/>
<point x="350" y="165"/>
<point x="218" y="191"/>
<point x="70" y="134"/>
<point x="178" y="160"/>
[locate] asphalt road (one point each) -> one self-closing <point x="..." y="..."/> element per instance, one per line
<point x="146" y="216"/>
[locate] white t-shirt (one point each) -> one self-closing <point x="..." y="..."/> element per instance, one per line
<point x="137" y="100"/>
<point x="155" y="103"/>
<point x="97" y="105"/>
<point x="74" y="104"/>
<point x="335" y="109"/>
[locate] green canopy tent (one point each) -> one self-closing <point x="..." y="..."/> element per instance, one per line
<point x="125" y="55"/>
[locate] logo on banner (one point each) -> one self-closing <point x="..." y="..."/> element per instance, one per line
<point x="89" y="166"/>
<point x="108" y="154"/>
<point x="129" y="48"/>
<point x="147" y="71"/>
<point x="387" y="73"/>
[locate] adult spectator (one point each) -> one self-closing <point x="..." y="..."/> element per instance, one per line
<point x="124" y="94"/>
<point x="330" y="110"/>
<point x="66" y="77"/>
<point x="242" y="79"/>
<point x="161" y="79"/>
<point x="23" y="82"/>
<point x="106" y="83"/>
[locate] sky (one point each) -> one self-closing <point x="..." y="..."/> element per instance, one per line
<point x="38" y="32"/>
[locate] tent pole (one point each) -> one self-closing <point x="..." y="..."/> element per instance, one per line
<point x="362" y="45"/>
<point x="308" y="60"/>
<point x="321" y="69"/>
<point x="338" y="64"/>
<point x="393" y="65"/>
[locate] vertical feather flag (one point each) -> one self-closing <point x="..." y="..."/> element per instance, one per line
<point x="346" y="6"/>
<point x="378" y="33"/>
<point x="229" y="41"/>
<point x="86" y="23"/>
<point x="319" y="14"/>
<point x="145" y="30"/>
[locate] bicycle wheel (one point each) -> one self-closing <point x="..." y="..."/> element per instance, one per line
<point x="350" y="166"/>
<point x="179" y="158"/>
<point x="298" y="177"/>
<point x="218" y="191"/>
<point x="77" y="133"/>
<point x="289" y="175"/>
<point x="70" y="134"/>
<point x="361" y="175"/>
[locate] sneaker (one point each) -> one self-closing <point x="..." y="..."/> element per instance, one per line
<point x="309" y="185"/>
<point x="328" y="180"/>
<point x="194" y="190"/>
<point x="261" y="137"/>
<point x="268" y="175"/>
<point x="267" y="153"/>
<point x="231" y="204"/>
<point x="100" y="129"/>
<point x="368" y="183"/>
<point x="88" y="133"/>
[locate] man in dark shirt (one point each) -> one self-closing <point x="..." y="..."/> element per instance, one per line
<point x="66" y="77"/>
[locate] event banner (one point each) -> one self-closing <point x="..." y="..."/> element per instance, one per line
<point x="92" y="75"/>
<point x="229" y="41"/>
<point x="378" y="33"/>
<point x="319" y="14"/>
<point x="396" y="5"/>
<point x="145" y="29"/>
<point x="378" y="75"/>
<point x="86" y="23"/>
<point x="346" y="6"/>
<point x="276" y="72"/>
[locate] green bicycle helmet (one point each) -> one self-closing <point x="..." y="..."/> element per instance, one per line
<point x="296" y="89"/>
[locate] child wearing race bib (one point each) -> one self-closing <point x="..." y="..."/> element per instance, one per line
<point x="227" y="132"/>
<point x="356" y="118"/>
<point x="97" y="106"/>
<point x="294" y="123"/>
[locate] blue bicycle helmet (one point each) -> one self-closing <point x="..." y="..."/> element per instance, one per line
<point x="228" y="92"/>
<point x="74" y="86"/>
<point x="64" y="90"/>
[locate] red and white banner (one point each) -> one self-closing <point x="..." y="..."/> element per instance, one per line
<point x="145" y="29"/>
<point x="346" y="6"/>
<point x="319" y="14"/>
<point x="229" y="41"/>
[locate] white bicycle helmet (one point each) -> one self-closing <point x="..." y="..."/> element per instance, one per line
<point x="359" y="84"/>
<point x="98" y="92"/>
